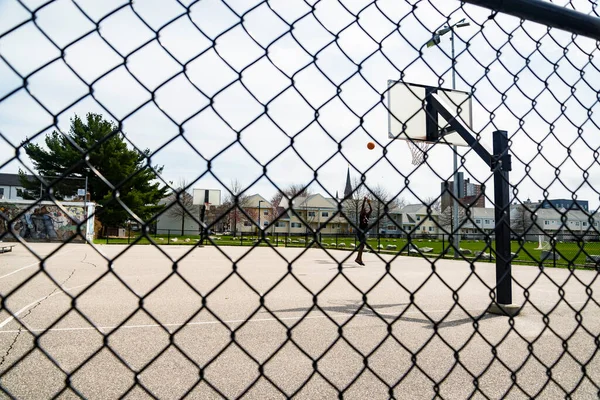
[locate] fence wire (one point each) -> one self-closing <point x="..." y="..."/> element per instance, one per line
<point x="285" y="95"/>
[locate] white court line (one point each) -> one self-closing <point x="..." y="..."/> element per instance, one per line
<point x="12" y="317"/>
<point x="200" y="323"/>
<point x="33" y="265"/>
<point x="236" y="321"/>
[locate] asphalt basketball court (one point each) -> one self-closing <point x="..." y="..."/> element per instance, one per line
<point x="357" y="347"/>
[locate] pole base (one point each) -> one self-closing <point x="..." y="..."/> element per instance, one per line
<point x="511" y="310"/>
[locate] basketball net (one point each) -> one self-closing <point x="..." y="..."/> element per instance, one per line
<point x="418" y="149"/>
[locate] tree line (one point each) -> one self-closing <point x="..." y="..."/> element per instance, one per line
<point x="125" y="185"/>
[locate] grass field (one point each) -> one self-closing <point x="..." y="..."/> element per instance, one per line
<point x="570" y="253"/>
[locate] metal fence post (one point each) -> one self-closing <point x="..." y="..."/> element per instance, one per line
<point x="554" y="253"/>
<point x="501" y="168"/>
<point x="443" y="245"/>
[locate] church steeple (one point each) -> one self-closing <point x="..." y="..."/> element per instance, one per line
<point x="348" y="189"/>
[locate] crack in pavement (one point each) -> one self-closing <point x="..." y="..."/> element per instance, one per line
<point x="87" y="262"/>
<point x="20" y="330"/>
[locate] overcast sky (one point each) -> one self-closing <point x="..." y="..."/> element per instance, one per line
<point x="331" y="64"/>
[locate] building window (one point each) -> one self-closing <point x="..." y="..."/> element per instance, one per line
<point x="266" y="223"/>
<point x="584" y="223"/>
<point x="266" y="212"/>
<point x="431" y="229"/>
<point x="487" y="221"/>
<point x="280" y="224"/>
<point x="296" y="225"/>
<point x="391" y="227"/>
<point x="418" y="217"/>
<point x="247" y="223"/>
<point x="546" y="222"/>
<point x="477" y="221"/>
<point x="577" y="223"/>
<point x="311" y="213"/>
<point x="325" y="214"/>
<point x="1" y="193"/>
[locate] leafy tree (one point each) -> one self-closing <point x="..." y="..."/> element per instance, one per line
<point x="128" y="170"/>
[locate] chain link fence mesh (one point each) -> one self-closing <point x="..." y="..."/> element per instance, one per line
<point x="282" y="97"/>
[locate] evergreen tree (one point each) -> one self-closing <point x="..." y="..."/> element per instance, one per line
<point x="128" y="170"/>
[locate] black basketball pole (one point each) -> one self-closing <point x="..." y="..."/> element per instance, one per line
<point x="202" y="213"/>
<point x="546" y="13"/>
<point x="501" y="166"/>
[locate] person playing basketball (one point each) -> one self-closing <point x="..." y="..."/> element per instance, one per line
<point x="362" y="229"/>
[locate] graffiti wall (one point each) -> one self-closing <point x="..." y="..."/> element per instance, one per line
<point x="42" y="221"/>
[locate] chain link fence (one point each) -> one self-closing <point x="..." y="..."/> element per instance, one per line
<point x="111" y="113"/>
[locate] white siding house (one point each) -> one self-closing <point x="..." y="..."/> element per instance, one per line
<point x="10" y="187"/>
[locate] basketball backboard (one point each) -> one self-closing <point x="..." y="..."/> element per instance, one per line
<point x="203" y="196"/>
<point x="411" y="115"/>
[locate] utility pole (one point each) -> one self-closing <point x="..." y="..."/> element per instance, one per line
<point x="433" y="42"/>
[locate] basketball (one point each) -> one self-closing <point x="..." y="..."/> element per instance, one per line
<point x="370" y="145"/>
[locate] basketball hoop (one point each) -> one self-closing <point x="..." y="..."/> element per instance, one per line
<point x="418" y="149"/>
<point x="412" y="116"/>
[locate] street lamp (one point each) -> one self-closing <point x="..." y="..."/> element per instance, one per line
<point x="434" y="42"/>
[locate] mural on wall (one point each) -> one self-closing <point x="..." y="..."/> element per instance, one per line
<point x="41" y="222"/>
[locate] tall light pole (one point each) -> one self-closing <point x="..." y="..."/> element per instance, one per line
<point x="434" y="42"/>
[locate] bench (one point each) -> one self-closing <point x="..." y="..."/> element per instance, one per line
<point x="6" y="248"/>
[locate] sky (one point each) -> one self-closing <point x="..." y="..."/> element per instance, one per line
<point x="274" y="93"/>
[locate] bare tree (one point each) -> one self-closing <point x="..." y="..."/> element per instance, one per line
<point x="297" y="189"/>
<point x="275" y="205"/>
<point x="434" y="202"/>
<point x="184" y="204"/>
<point x="397" y="202"/>
<point x="353" y="203"/>
<point x="521" y="220"/>
<point x="234" y="215"/>
<point x="446" y="217"/>
<point x="380" y="201"/>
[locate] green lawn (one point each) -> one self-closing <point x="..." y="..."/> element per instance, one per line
<point x="570" y="253"/>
